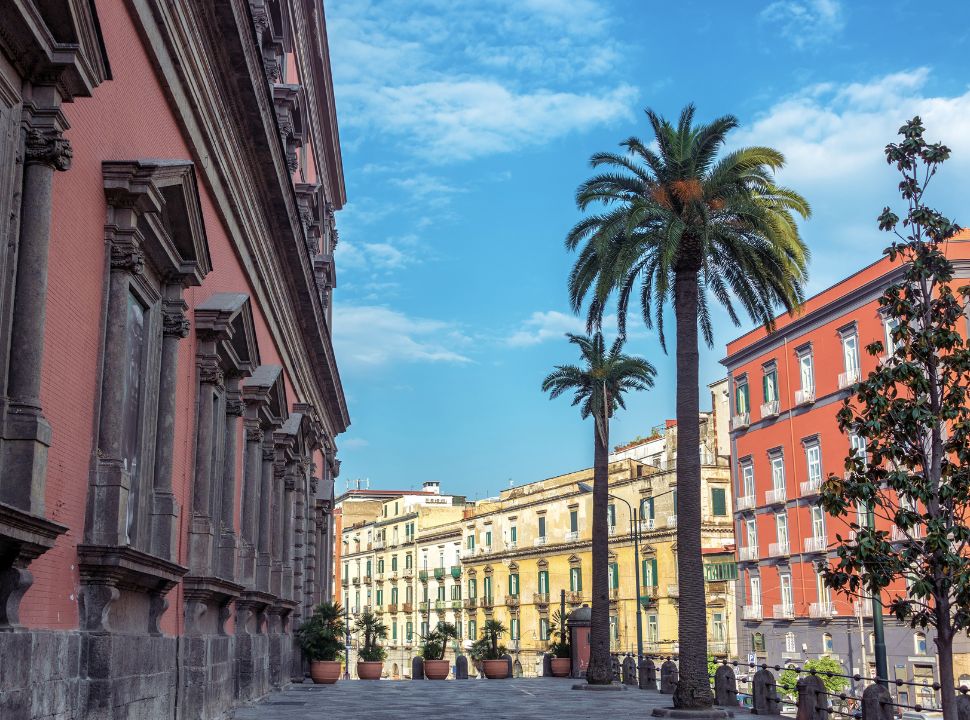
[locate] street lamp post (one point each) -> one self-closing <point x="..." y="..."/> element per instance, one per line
<point x="635" y="534"/>
<point x="347" y="639"/>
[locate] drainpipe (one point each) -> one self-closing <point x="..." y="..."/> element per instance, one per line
<point x="791" y="433"/>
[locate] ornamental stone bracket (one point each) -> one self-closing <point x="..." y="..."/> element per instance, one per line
<point x="290" y="117"/>
<point x="207" y="604"/>
<point x="270" y="25"/>
<point x="23" y="538"/>
<point x="108" y="573"/>
<point x="309" y="200"/>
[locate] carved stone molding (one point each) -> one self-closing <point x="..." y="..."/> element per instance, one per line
<point x="269" y="454"/>
<point x="23" y="538"/>
<point x="234" y="407"/>
<point x="49" y="147"/>
<point x="210" y="373"/>
<point x="175" y="323"/>
<point x="127" y="258"/>
<point x="207" y="601"/>
<point x="254" y="433"/>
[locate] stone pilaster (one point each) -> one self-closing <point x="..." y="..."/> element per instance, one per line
<point x="267" y="499"/>
<point x="202" y="528"/>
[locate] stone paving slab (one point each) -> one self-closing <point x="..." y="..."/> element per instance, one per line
<point x="525" y="699"/>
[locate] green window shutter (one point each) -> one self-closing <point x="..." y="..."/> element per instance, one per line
<point x="718" y="502"/>
<point x="514" y="533"/>
<point x="650" y="509"/>
<point x="380" y="597"/>
<point x="616" y="575"/>
<point x="765" y="380"/>
<point x="573" y="520"/>
<point x="542" y="526"/>
<point x="653" y="569"/>
<point x="611" y="514"/>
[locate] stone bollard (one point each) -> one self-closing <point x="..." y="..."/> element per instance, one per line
<point x="963" y="707"/>
<point x="461" y="668"/>
<point x="547" y="665"/>
<point x="876" y="703"/>
<point x="648" y="674"/>
<point x="812" y="702"/>
<point x="508" y="661"/>
<point x="417" y="668"/>
<point x="765" y="693"/>
<point x="725" y="686"/>
<point x="614" y="669"/>
<point x="668" y="677"/>
<point x="629" y="671"/>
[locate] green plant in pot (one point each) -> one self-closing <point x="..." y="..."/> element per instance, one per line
<point x="370" y="655"/>
<point x="321" y="638"/>
<point x="560" y="649"/>
<point x="487" y="652"/>
<point x="433" y="651"/>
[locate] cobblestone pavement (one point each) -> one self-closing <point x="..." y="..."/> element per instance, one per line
<point x="545" y="698"/>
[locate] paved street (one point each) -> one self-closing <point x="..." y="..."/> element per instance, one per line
<point x="493" y="699"/>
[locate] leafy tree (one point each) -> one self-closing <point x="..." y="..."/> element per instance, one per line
<point x="487" y="647"/>
<point x="560" y="646"/>
<point x="598" y="388"/>
<point x="828" y="669"/>
<point x="321" y="636"/>
<point x="373" y="629"/>
<point x="913" y="414"/>
<point x="681" y="225"/>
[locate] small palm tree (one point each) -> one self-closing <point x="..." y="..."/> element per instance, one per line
<point x="598" y="388"/>
<point x="373" y="629"/>
<point x="681" y="224"/>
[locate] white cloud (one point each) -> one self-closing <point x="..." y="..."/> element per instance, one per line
<point x="805" y="22"/>
<point x="833" y="137"/>
<point x="353" y="443"/>
<point x="387" y="256"/>
<point x="371" y="336"/>
<point x="541" y="326"/>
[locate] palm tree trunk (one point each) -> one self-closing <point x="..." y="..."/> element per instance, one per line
<point x="694" y="687"/>
<point x="600" y="670"/>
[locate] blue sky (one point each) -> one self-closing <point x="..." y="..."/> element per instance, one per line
<point x="466" y="126"/>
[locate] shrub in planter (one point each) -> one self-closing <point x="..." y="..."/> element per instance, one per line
<point x="560" y="648"/>
<point x="487" y="653"/>
<point x="370" y="656"/>
<point x="321" y="638"/>
<point x="433" y="651"/>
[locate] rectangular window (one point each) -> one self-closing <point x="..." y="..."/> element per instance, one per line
<point x="806" y="371"/>
<point x="408" y="594"/>
<point x="576" y="579"/>
<point x="647" y="509"/>
<point x="394" y="563"/>
<point x="424" y="628"/>
<point x="514" y="534"/>
<point x="850" y="355"/>
<point x="769" y="383"/>
<point x="648" y="572"/>
<point x="718" y="502"/>
<point x="821" y="588"/>
<point x="574" y="520"/>
<point x="891" y="323"/>
<point x="751" y="528"/>
<point x="380" y="597"/>
<point x="813" y="457"/>
<point x="456" y="591"/>
<point x="653" y="629"/>
<point x="614" y="627"/>
<point x="781" y="528"/>
<point x="543" y="629"/>
<point x="784" y="580"/>
<point x="747" y="479"/>
<point x="742" y="402"/>
<point x="394" y="631"/>
<point x="487" y="587"/>
<point x="472" y="588"/>
<point x="514" y="629"/>
<point x="777" y="471"/>
<point x="441" y="592"/>
<point x="543" y="581"/>
<point x="488" y="538"/>
<point x="717" y="627"/>
<point x="818" y="522"/>
<point x="542" y="526"/>
<point x="755" y="583"/>
<point x="613" y="572"/>
<point x="472" y="630"/>
<point x="514" y="584"/>
<point x="611" y="515"/>
<point x="131" y="406"/>
<point x="470" y="542"/>
<point x="393" y="596"/>
<point x="409" y="631"/>
<point x="407" y="561"/>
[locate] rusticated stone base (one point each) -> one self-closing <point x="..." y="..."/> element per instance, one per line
<point x="208" y="676"/>
<point x="691" y="714"/>
<point x="252" y="667"/>
<point x="40" y="675"/>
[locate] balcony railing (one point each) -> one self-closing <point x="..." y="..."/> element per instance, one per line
<point x="540" y="598"/>
<point x="488" y="602"/>
<point x="356" y="580"/>
<point x="778" y="549"/>
<point x="649" y="594"/>
<point x="456" y="571"/>
<point x="671" y="521"/>
<point x="439" y="605"/>
<point x="717" y="647"/>
<point x="574" y="597"/>
<point x="511" y="600"/>
<point x="379" y="577"/>
<point x="748" y="552"/>
<point x="407" y="573"/>
<point x="811" y="486"/>
<point x="511" y="545"/>
<point x="849" y="377"/>
<point x="423" y="575"/>
<point x="862" y="608"/>
<point x="344" y="581"/>
<point x="378" y="544"/>
<point x="816" y="544"/>
<point x="392" y="576"/>
<point x="740" y="422"/>
<point x="805" y="396"/>
<point x="485" y="549"/>
<point x="751" y="612"/>
<point x="647" y="524"/>
<point x="571" y="536"/>
<point x="673" y="591"/>
<point x="539" y="541"/>
<point x="407" y="607"/>
<point x="368" y="579"/>
<point x="392" y="607"/>
<point x="611" y="530"/>
<point x="439" y="573"/>
<point x="784" y="611"/>
<point x="776" y="495"/>
<point x="614" y="594"/>
<point x="897" y="534"/>
<point x="745" y="502"/>
<point x="770" y="409"/>
<point x="424" y="606"/>
<point x="821" y="609"/>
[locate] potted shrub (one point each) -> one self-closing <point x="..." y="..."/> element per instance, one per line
<point x="321" y="638"/>
<point x="370" y="656"/>
<point x="488" y="652"/>
<point x="433" y="651"/>
<point x="560" y="649"/>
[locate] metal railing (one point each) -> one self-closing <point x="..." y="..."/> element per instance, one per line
<point x="821" y="609"/>
<point x="745" y="502"/>
<point x="816" y="544"/>
<point x="805" y="396"/>
<point x="748" y="552"/>
<point x="779" y="549"/>
<point x="740" y="421"/>
<point x="776" y="495"/>
<point x="770" y="409"/>
<point x="811" y="486"/>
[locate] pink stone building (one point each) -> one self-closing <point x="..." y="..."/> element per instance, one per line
<point x="169" y="396"/>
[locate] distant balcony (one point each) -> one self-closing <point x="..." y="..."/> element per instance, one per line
<point x="471" y="603"/>
<point x="770" y="409"/>
<point x="539" y="541"/>
<point x="439" y="573"/>
<point x="424" y="606"/>
<point x="344" y="581"/>
<point x="776" y="496"/>
<point x="862" y="608"/>
<point x="392" y="608"/>
<point x="407" y="607"/>
<point x="511" y="600"/>
<point x="778" y="549"/>
<point x="805" y="396"/>
<point x="821" y="610"/>
<point x="816" y="544"/>
<point x="368" y="579"/>
<point x="511" y="545"/>
<point x="439" y="606"/>
<point x="407" y="573"/>
<point x="574" y="597"/>
<point x="647" y="524"/>
<point x="848" y="378"/>
<point x="571" y="536"/>
<point x="456" y="571"/>
<point x="611" y="530"/>
<point x="456" y="605"/>
<point x="468" y="553"/>
<point x="614" y="594"/>
<point x="356" y="580"/>
<point x="649" y="594"/>
<point x="740" y="422"/>
<point x="485" y="549"/>
<point x="897" y="534"/>
<point x="392" y="576"/>
<point x="540" y="598"/>
<point x="751" y="612"/>
<point x="748" y="553"/>
<point x="671" y="521"/>
<point x="783" y="611"/>
<point x="811" y="486"/>
<point x="423" y="575"/>
<point x="673" y="591"/>
<point x="488" y="602"/>
<point x="378" y="544"/>
<point x="746" y="502"/>
<point x="717" y="647"/>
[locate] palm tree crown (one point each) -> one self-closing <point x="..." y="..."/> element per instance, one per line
<point x="680" y="207"/>
<point x="603" y="379"/>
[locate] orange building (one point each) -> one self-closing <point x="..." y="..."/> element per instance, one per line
<point x="786" y="388"/>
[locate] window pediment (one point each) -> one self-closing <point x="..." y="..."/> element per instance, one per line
<point x="264" y="389"/>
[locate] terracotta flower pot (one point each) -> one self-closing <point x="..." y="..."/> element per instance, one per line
<point x="437" y="669"/>
<point x="325" y="672"/>
<point x="369" y="670"/>
<point x="561" y="667"/>
<point x="496" y="669"/>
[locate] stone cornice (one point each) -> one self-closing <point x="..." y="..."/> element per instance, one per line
<point x="225" y="106"/>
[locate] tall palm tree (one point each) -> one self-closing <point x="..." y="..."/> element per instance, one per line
<point x="598" y="387"/>
<point x="679" y="223"/>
